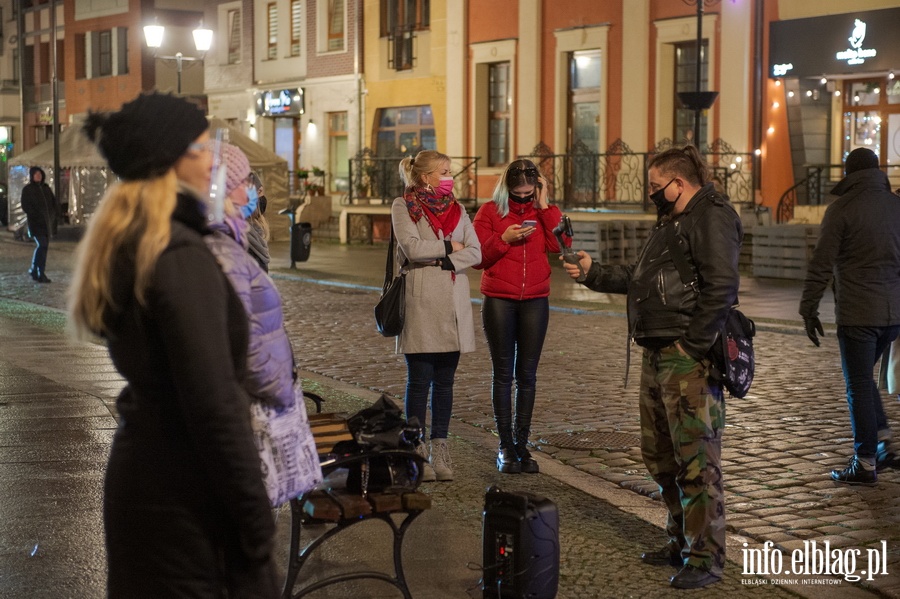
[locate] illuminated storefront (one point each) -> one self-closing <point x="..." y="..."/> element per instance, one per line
<point x="841" y="76"/>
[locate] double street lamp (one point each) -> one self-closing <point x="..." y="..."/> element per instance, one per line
<point x="202" y="41"/>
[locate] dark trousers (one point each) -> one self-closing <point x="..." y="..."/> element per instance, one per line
<point x="515" y="331"/>
<point x="39" y="260"/>
<point x="861" y="347"/>
<point x="433" y="372"/>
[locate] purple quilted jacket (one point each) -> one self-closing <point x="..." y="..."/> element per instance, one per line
<point x="269" y="356"/>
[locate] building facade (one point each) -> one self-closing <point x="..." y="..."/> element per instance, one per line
<point x="288" y="74"/>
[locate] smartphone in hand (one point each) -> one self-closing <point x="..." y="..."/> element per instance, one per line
<point x="529" y="223"/>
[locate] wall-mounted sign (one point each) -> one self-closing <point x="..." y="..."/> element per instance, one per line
<point x="857" y="42"/>
<point x="280" y="102"/>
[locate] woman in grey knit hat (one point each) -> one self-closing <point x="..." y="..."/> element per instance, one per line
<point x="185" y="509"/>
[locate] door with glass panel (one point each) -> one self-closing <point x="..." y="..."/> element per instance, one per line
<point x="582" y="170"/>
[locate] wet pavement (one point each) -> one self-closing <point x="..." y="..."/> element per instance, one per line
<point x="56" y="418"/>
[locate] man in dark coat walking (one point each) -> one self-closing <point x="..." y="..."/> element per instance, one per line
<point x="859" y="247"/>
<point x="39" y="205"/>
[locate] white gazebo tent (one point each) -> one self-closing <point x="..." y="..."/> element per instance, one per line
<point x="86" y="176"/>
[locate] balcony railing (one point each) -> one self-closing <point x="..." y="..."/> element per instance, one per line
<point x="402" y="48"/>
<point x="617" y="178"/>
<point x="377" y="178"/>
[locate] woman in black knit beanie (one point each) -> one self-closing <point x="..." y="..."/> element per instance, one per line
<point x="185" y="509"/>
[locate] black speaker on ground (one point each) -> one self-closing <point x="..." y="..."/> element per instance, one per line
<point x="521" y="546"/>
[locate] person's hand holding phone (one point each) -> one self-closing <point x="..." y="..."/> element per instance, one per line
<point x="516" y="233"/>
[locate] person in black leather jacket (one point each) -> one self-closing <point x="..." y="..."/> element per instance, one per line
<point x="682" y="404"/>
<point x="859" y="248"/>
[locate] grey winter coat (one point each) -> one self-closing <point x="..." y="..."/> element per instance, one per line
<point x="438" y="308"/>
<point x="859" y="246"/>
<point x="270" y="360"/>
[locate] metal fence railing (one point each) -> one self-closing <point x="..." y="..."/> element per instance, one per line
<point x="814" y="189"/>
<point x="617" y="178"/>
<point x="377" y="178"/>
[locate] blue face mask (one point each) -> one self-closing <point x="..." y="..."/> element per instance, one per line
<point x="252" y="200"/>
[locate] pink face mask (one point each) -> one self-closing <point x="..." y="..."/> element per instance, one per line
<point x="445" y="188"/>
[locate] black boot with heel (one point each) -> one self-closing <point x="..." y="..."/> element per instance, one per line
<point x="524" y="407"/>
<point x="507" y="457"/>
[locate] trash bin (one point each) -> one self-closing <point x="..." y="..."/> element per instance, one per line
<point x="301" y="240"/>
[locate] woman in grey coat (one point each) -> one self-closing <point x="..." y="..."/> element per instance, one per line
<point x="436" y="243"/>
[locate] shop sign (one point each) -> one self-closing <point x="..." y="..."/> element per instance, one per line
<point x="856" y="54"/>
<point x="851" y="43"/>
<point x="280" y="102"/>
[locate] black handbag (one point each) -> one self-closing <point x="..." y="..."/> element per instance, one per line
<point x="391" y="308"/>
<point x="732" y="353"/>
<point x="389" y="442"/>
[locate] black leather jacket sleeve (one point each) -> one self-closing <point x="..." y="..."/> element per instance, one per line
<point x="609" y="278"/>
<point x="715" y="245"/>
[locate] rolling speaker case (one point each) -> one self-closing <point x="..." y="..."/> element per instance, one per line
<point x="521" y="546"/>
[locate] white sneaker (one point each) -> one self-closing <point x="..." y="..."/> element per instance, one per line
<point x="440" y="460"/>
<point x="427" y="471"/>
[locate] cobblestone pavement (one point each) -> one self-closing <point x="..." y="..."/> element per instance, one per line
<point x="779" y="444"/>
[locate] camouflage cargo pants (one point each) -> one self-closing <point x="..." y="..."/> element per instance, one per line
<point x="682" y="419"/>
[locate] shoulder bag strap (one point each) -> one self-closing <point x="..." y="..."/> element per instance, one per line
<point x="389" y="264"/>
<point x="681" y="263"/>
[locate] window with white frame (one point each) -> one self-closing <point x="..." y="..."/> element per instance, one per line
<point x="337" y="14"/>
<point x="499" y="102"/>
<point x="272" y="31"/>
<point x="233" y="24"/>
<point x="101" y="53"/>
<point x="492" y="85"/>
<point x="296" y="26"/>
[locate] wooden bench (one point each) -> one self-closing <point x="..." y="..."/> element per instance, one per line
<point x="341" y="509"/>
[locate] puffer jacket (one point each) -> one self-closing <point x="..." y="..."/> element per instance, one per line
<point x="661" y="309"/>
<point x="859" y="246"/>
<point x="270" y="359"/>
<point x="519" y="270"/>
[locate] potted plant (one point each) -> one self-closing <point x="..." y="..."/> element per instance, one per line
<point x="318" y="172"/>
<point x="302" y="173"/>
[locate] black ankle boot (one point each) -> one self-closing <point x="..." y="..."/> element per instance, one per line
<point x="529" y="464"/>
<point x="507" y="457"/>
<point x="34" y="274"/>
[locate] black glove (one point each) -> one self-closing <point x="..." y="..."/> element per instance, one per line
<point x="813" y="325"/>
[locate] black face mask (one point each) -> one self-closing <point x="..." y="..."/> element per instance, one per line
<point x="518" y="200"/>
<point x="658" y="197"/>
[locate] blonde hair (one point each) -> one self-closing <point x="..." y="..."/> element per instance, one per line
<point x="412" y="170"/>
<point x="133" y="215"/>
<point x="259" y="219"/>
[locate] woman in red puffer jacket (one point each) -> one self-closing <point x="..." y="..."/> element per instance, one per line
<point x="516" y="232"/>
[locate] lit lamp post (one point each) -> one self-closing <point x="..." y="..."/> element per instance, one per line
<point x="202" y="40"/>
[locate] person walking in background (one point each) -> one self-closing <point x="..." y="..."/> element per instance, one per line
<point x="436" y="243"/>
<point x="516" y="232"/>
<point x="186" y="511"/>
<point x="39" y="205"/>
<point x="859" y="248"/>
<point x="258" y="233"/>
<point x="682" y="405"/>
